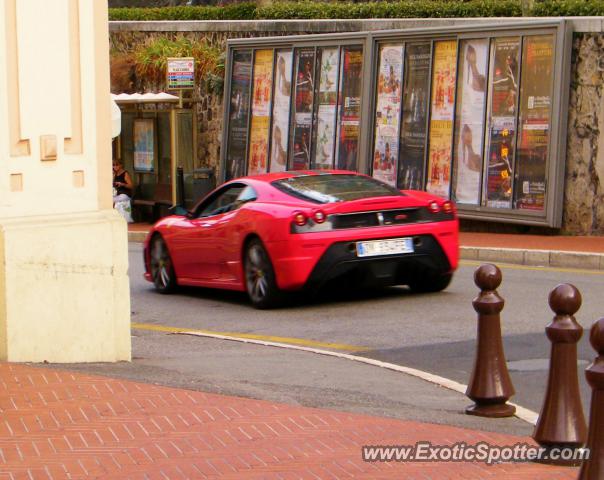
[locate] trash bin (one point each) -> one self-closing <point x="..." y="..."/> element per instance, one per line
<point x="204" y="181"/>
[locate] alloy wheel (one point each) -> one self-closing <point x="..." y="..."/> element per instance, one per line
<point x="161" y="266"/>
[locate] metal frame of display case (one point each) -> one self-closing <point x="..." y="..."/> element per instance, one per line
<point x="551" y="215"/>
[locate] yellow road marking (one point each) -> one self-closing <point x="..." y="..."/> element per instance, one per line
<point x="252" y="336"/>
<point x="511" y="266"/>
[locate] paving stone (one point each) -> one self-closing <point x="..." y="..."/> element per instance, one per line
<point x="186" y="434"/>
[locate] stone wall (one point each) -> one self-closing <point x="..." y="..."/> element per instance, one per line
<point x="584" y="191"/>
<point x="584" y="183"/>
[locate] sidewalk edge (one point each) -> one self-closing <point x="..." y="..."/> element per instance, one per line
<point x="137" y="237"/>
<point x="535" y="258"/>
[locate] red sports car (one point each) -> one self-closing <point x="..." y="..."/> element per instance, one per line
<point x="280" y="232"/>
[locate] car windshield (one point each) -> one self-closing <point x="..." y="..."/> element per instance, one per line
<point x="329" y="188"/>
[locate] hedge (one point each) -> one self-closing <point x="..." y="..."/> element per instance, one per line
<point x="569" y="8"/>
<point x="315" y="10"/>
<point x="383" y="9"/>
<point x="240" y="11"/>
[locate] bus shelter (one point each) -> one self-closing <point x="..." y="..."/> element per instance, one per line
<point x="157" y="136"/>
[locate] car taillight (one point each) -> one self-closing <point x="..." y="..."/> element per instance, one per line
<point x="300" y="219"/>
<point x="319" y="216"/>
<point x="434" y="207"/>
<point x="449" y="207"/>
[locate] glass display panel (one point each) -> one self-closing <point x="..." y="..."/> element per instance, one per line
<point x="503" y="83"/>
<point x="239" y="109"/>
<point x="416" y="90"/>
<point x="261" y="101"/>
<point x="324" y="140"/>
<point x="536" y="85"/>
<point x="470" y="120"/>
<point x="144" y="145"/>
<point x="281" y="106"/>
<point x="302" y="119"/>
<point x="387" y="113"/>
<point x="349" y="109"/>
<point x="444" y="66"/>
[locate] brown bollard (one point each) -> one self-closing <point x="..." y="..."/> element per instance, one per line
<point x="593" y="468"/>
<point x="490" y="385"/>
<point x="561" y="422"/>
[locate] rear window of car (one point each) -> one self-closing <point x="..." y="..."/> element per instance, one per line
<point x="329" y="188"/>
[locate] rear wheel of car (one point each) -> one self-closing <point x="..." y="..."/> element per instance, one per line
<point x="260" y="280"/>
<point x="431" y="283"/>
<point x="162" y="269"/>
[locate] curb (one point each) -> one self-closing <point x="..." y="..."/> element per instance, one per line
<point x="535" y="258"/>
<point x="137" y="237"/>
<point x="517" y="256"/>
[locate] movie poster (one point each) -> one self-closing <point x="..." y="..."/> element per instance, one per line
<point x="281" y="103"/>
<point x="502" y="133"/>
<point x="439" y="160"/>
<point x="441" y="120"/>
<point x="469" y="123"/>
<point x="302" y="121"/>
<point x="387" y="115"/>
<point x="241" y="81"/>
<point x="535" y="112"/>
<point x="326" y="116"/>
<point x="351" y="81"/>
<point x="261" y="100"/>
<point x="416" y="82"/>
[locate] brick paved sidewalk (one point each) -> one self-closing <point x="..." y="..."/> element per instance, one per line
<point x="58" y="424"/>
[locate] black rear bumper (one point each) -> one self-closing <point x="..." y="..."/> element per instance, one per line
<point x="340" y="264"/>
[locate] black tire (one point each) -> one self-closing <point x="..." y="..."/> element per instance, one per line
<point x="431" y="283"/>
<point x="260" y="281"/>
<point x="162" y="268"/>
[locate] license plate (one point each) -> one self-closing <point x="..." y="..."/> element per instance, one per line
<point x="393" y="246"/>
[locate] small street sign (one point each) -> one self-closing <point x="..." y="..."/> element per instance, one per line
<point x="180" y="73"/>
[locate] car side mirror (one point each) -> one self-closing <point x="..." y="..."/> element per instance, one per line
<point x="179" y="210"/>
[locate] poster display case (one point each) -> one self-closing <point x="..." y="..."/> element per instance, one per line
<point x="350" y="104"/>
<point x="239" y="108"/>
<point x="414" y="126"/>
<point x="326" y="108"/>
<point x="261" y="104"/>
<point x="144" y="145"/>
<point x="388" y="113"/>
<point x="282" y="99"/>
<point x="476" y="113"/>
<point x="470" y="121"/>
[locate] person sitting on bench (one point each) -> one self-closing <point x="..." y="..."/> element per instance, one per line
<point x="122" y="191"/>
<point x="122" y="183"/>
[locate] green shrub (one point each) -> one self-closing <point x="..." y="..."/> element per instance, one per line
<point x="381" y="9"/>
<point x="150" y="59"/>
<point x="399" y="9"/>
<point x="239" y="11"/>
<point x="568" y="8"/>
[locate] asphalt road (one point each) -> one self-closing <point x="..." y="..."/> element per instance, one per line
<point x="435" y="333"/>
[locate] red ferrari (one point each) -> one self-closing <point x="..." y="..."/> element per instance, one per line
<point x="280" y="232"/>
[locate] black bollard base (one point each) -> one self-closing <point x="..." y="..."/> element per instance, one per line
<point x="492" y="410"/>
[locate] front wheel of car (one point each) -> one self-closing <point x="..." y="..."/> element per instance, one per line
<point x="431" y="283"/>
<point x="260" y="281"/>
<point x="162" y="269"/>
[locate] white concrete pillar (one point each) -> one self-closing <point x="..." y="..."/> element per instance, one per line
<point x="64" y="293"/>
